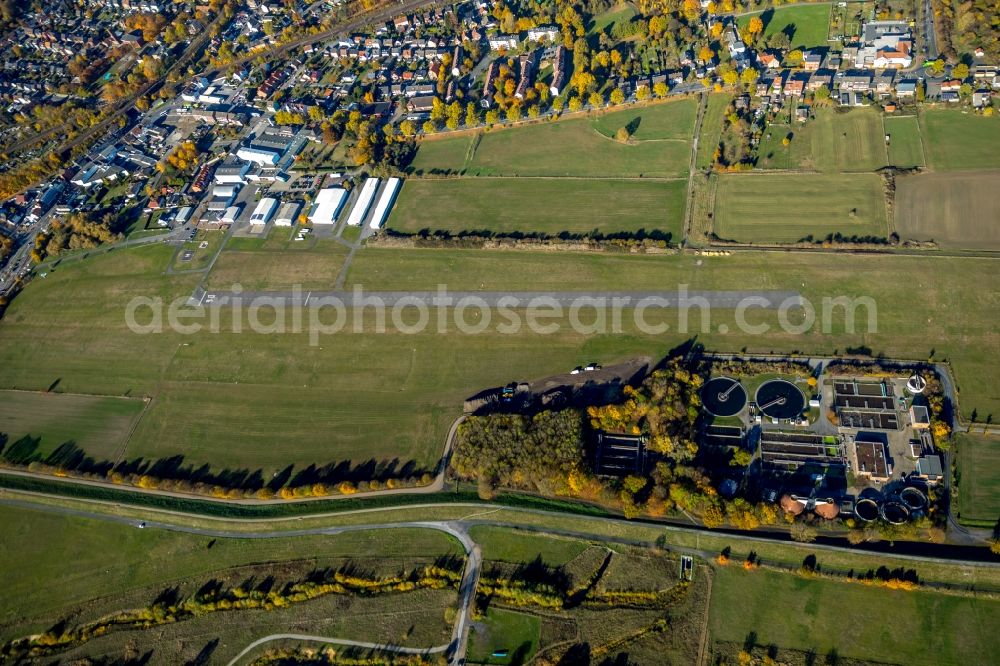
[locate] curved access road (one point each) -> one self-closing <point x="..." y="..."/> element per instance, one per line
<point x="334" y="641"/>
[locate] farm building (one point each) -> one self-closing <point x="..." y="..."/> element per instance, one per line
<point x="264" y="210"/>
<point x="287" y="214"/>
<point x="363" y="203"/>
<point x="385" y="202"/>
<point x="327" y="205"/>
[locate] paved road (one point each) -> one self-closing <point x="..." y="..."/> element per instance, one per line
<point x="930" y="36"/>
<point x="334" y="641"/>
<point x="627" y="299"/>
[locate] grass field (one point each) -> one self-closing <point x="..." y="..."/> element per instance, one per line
<point x="618" y="14"/>
<point x="802" y="614"/>
<point x="711" y="128"/>
<point x="201" y="255"/>
<point x="506" y="545"/>
<point x="807" y="25"/>
<point x="96" y="424"/>
<point x="956" y="210"/>
<point x="512" y="634"/>
<point x="788" y="207"/>
<point x="243" y="400"/>
<point x="106" y="564"/>
<point x="978" y="480"/>
<point x="956" y="294"/>
<point x="572" y="147"/>
<point x="957" y="140"/>
<point x="414" y="619"/>
<point x="834" y="141"/>
<point x="652" y="122"/>
<point x="905" y="149"/>
<point x="548" y="205"/>
<point x="311" y="267"/>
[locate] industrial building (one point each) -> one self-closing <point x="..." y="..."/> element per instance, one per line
<point x="326" y="207"/>
<point x="364" y="202"/>
<point x="264" y="210"/>
<point x="287" y="214"/>
<point x="258" y="156"/>
<point x="222" y="197"/>
<point x="232" y="171"/>
<point x="385" y="202"/>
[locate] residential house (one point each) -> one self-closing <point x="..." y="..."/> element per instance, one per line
<point x="906" y="89"/>
<point x="503" y="42"/>
<point x="489" y="84"/>
<point x="558" y="72"/>
<point x="770" y="61"/>
<point x="856" y="82"/>
<point x="811" y="61"/>
<point x="549" y="33"/>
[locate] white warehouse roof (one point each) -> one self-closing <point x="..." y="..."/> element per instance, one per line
<point x="385" y="203"/>
<point x="327" y="205"/>
<point x="258" y="156"/>
<point x="363" y="203"/>
<point x="224" y="191"/>
<point x="262" y="213"/>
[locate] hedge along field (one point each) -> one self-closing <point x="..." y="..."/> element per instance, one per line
<point x="857" y="621"/>
<point x="783" y="208"/>
<point x="807" y="24"/>
<point x="545" y="205"/>
<point x="834" y="141"/>
<point x="955" y="210"/>
<point x="957" y="140"/>
<point x="578" y="146"/>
